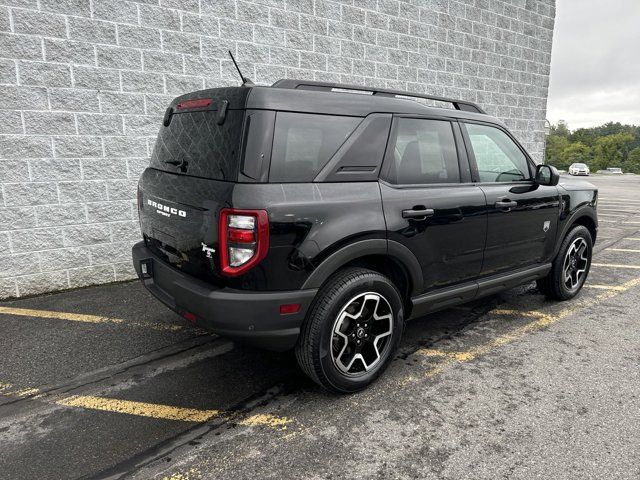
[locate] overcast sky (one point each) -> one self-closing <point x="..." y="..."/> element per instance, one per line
<point x="595" y="63"/>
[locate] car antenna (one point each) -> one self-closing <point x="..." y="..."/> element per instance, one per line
<point x="245" y="81"/>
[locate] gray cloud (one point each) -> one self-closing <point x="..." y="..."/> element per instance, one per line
<point x="595" y="63"/>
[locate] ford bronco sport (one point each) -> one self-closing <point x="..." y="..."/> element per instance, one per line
<point x="321" y="216"/>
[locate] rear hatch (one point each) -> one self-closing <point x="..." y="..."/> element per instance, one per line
<point x="193" y="168"/>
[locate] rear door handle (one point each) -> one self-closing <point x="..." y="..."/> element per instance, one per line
<point x="418" y="214"/>
<point x="506" y="204"/>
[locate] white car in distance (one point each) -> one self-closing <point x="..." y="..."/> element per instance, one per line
<point x="578" y="169"/>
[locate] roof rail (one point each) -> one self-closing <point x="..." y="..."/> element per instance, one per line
<point x="324" y="86"/>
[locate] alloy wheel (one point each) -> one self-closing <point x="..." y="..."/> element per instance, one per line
<point x="575" y="263"/>
<point x="362" y="334"/>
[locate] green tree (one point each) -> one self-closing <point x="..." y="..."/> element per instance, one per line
<point x="576" y="152"/>
<point x="555" y="149"/>
<point x="608" y="145"/>
<point x="560" y="130"/>
<point x="633" y="161"/>
<point x="610" y="151"/>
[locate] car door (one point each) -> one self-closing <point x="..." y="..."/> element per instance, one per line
<point x="522" y="215"/>
<point x="430" y="205"/>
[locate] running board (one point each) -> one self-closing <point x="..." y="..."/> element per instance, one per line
<point x="451" y="296"/>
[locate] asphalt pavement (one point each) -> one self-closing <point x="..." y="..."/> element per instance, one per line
<point x="105" y="382"/>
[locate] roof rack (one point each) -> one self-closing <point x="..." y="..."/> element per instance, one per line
<point x="323" y="86"/>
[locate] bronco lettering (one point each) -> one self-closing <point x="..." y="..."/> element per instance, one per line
<point x="164" y="209"/>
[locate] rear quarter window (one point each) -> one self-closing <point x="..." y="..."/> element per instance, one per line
<point x="304" y="143"/>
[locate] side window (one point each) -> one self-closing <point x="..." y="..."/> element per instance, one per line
<point x="424" y="151"/>
<point x="498" y="158"/>
<point x="304" y="143"/>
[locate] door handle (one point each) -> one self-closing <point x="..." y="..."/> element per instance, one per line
<point x="506" y="204"/>
<point x="418" y="213"/>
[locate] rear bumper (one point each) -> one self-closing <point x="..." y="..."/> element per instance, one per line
<point x="248" y="316"/>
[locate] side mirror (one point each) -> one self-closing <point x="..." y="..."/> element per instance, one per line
<point x="547" y="175"/>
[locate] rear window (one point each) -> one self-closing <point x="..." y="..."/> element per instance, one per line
<point x="194" y="144"/>
<point x="304" y="143"/>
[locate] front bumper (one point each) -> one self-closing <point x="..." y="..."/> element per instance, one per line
<point x="249" y="316"/>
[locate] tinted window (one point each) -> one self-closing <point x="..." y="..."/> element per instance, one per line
<point x="424" y="151"/>
<point x="498" y="157"/>
<point x="303" y="144"/>
<point x="194" y="144"/>
<point x="258" y="131"/>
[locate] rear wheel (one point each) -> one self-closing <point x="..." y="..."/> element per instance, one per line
<point x="571" y="267"/>
<point x="352" y="331"/>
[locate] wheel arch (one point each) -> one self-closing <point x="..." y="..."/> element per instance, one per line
<point x="588" y="222"/>
<point x="389" y="258"/>
<point x="584" y="216"/>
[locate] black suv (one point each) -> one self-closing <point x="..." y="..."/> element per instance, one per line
<point x="322" y="216"/>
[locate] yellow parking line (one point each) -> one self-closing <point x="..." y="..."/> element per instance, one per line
<point x="618" y="200"/>
<point x="605" y="287"/>
<point x="614" y="265"/>
<point x="623" y="250"/>
<point x="631" y="222"/>
<point x="617" y="210"/>
<point x="266" y="419"/>
<point x="632" y="238"/>
<point x="433" y="352"/>
<point x="610" y="215"/>
<point x="145" y="409"/>
<point x="141" y="409"/>
<point x="428" y="352"/>
<point x="74" y="317"/>
<point x="11" y="390"/>
<point x="465" y="356"/>
<point x="524" y="313"/>
<point x="81" y="317"/>
<point x="192" y="474"/>
<point x="543" y="320"/>
<point x="617" y="207"/>
<point x="622" y="203"/>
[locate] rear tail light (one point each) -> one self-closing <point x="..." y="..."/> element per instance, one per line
<point x="244" y="239"/>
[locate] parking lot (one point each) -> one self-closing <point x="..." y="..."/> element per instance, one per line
<point x="105" y="382"/>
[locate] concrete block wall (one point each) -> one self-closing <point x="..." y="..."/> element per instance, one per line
<point x="84" y="84"/>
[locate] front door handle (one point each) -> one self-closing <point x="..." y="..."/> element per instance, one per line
<point x="418" y="213"/>
<point x="506" y="204"/>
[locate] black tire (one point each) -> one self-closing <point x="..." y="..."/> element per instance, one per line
<point x="554" y="285"/>
<point x="314" y="347"/>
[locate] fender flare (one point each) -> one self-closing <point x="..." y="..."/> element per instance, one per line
<point x="363" y="248"/>
<point x="583" y="211"/>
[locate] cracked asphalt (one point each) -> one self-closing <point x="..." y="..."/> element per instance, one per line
<point x="105" y="382"/>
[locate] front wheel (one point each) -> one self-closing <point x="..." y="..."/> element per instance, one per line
<point x="571" y="267"/>
<point x="352" y="331"/>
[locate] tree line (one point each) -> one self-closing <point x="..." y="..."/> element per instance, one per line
<point x="609" y="145"/>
